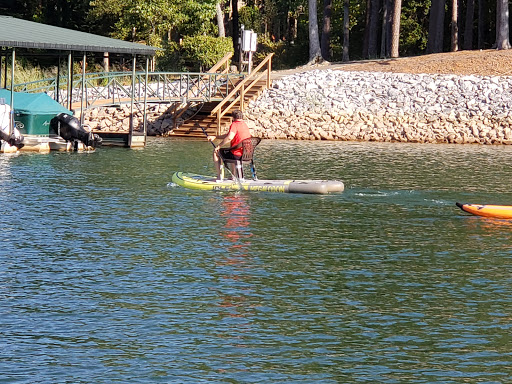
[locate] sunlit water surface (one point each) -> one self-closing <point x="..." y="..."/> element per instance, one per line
<point x="109" y="274"/>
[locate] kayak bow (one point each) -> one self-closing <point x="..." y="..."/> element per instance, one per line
<point x="486" y="210"/>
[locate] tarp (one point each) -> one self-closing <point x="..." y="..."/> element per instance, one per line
<point x="33" y="103"/>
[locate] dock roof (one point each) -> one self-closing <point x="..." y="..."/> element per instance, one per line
<point x="18" y="33"/>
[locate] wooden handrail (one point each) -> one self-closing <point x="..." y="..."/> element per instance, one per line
<point x="214" y="69"/>
<point x="240" y="97"/>
<point x="219" y="106"/>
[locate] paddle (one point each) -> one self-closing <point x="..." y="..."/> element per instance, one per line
<point x="224" y="165"/>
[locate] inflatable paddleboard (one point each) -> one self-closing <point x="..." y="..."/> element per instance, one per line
<point x="208" y="183"/>
<point x="496" y="211"/>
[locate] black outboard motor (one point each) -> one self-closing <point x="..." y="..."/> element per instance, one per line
<point x="68" y="127"/>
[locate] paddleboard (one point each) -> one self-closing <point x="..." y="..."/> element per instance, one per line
<point x="208" y="183"/>
<point x="486" y="210"/>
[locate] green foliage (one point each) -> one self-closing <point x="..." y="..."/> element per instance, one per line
<point x="198" y="17"/>
<point x="414" y="27"/>
<point x="267" y="46"/>
<point x="152" y="20"/>
<point x="25" y="72"/>
<point x="286" y="55"/>
<point x="171" y="59"/>
<point x="250" y="17"/>
<point x="136" y="20"/>
<point x="164" y="23"/>
<point x="200" y="52"/>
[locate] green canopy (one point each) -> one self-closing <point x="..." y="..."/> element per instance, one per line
<point x="33" y="103"/>
<point x="29" y="34"/>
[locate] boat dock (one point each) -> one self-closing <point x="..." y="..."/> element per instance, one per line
<point x="194" y="99"/>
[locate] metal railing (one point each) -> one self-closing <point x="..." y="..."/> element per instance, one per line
<point x="104" y="88"/>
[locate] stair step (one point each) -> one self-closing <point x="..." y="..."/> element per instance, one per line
<point x="191" y="127"/>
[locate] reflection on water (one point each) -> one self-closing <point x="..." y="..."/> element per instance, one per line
<point x="109" y="276"/>
<point x="236" y="213"/>
<point x="236" y="233"/>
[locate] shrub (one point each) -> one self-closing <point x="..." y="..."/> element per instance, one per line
<point x="200" y="52"/>
<point x="251" y="18"/>
<point x="170" y="59"/>
<point x="285" y="55"/>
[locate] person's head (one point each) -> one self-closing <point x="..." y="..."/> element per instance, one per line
<point x="237" y="114"/>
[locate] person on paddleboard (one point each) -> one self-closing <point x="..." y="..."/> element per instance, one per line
<point x="238" y="131"/>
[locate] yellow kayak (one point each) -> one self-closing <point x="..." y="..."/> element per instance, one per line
<point x="208" y="183"/>
<point x="486" y="210"/>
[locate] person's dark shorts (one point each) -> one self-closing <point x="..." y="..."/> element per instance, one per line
<point x="228" y="155"/>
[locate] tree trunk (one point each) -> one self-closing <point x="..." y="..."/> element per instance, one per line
<point x="468" y="28"/>
<point x="106" y="62"/>
<point x="454" y="27"/>
<point x="436" y="27"/>
<point x="236" y="32"/>
<point x="366" y="35"/>
<point x="220" y="20"/>
<point x="374" y="29"/>
<point x="481" y="8"/>
<point x="384" y="38"/>
<point x="346" y="29"/>
<point x="315" y="54"/>
<point x="326" y="30"/>
<point x="502" y="28"/>
<point x="295" y="28"/>
<point x="395" y="28"/>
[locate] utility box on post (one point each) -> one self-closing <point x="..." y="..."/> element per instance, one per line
<point x="249" y="41"/>
<point x="248" y="47"/>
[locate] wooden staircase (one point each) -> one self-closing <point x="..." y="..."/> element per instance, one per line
<point x="214" y="116"/>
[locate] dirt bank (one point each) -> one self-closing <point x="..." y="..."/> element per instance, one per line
<point x="482" y="63"/>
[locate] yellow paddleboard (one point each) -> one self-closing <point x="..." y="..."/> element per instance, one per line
<point x="208" y="183"/>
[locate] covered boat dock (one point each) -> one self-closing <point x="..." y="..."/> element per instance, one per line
<point x="17" y="33"/>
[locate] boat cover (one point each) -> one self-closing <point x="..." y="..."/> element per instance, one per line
<point x="33" y="103"/>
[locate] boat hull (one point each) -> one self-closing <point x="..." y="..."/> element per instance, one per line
<point x="207" y="183"/>
<point x="486" y="210"/>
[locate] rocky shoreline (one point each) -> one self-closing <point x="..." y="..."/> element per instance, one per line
<point x="160" y="119"/>
<point x="361" y="106"/>
<point x="388" y="107"/>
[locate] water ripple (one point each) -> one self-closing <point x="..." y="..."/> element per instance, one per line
<point x="109" y="274"/>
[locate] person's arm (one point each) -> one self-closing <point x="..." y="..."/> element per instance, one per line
<point x="227" y="139"/>
<point x="220" y="137"/>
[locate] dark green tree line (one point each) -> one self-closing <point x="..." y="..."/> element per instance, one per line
<point x="297" y="31"/>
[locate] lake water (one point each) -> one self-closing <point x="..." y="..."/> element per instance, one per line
<point x="110" y="275"/>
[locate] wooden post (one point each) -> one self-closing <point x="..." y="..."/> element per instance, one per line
<point x="242" y="97"/>
<point x="269" y="69"/>
<point x="106" y="62"/>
